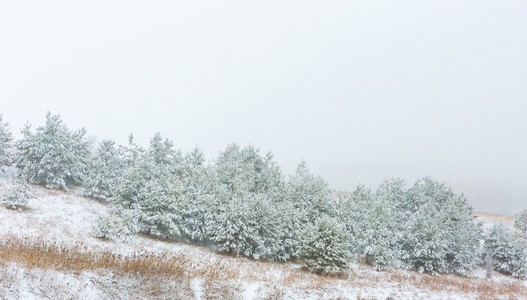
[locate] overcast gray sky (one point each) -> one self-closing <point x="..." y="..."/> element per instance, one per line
<point x="362" y="90"/>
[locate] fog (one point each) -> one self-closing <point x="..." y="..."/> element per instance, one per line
<point x="361" y="90"/>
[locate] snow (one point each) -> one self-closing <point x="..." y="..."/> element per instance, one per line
<point x="67" y="218"/>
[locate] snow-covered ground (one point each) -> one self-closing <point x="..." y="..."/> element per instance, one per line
<point x="65" y="218"/>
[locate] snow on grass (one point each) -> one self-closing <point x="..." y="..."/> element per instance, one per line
<point x="65" y="218"/>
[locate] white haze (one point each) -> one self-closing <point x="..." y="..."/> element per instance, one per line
<point x="362" y="90"/>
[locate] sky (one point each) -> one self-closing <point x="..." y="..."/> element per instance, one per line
<point x="361" y="90"/>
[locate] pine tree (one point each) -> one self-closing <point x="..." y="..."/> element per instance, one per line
<point x="5" y="143"/>
<point x="463" y="235"/>
<point x="53" y="156"/>
<point x="520" y="223"/>
<point x="324" y="246"/>
<point x="423" y="244"/>
<point x="508" y="252"/>
<point x="198" y="188"/>
<point x="153" y="192"/>
<point x="103" y="175"/>
<point x="351" y="213"/>
<point x="164" y="155"/>
<point x="440" y="232"/>
<point x="309" y="194"/>
<point x="16" y="194"/>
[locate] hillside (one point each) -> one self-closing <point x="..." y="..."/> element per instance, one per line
<point x="48" y="251"/>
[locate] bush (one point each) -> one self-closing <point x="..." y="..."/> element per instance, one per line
<point x="53" y="156"/>
<point x="324" y="247"/>
<point x="16" y="195"/>
<point x="507" y="251"/>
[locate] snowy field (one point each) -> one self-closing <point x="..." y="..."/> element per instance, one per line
<point x="65" y="219"/>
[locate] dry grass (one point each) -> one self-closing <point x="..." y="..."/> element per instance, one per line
<point x="222" y="278"/>
<point x="483" y="288"/>
<point x="77" y="258"/>
<point x="495" y="217"/>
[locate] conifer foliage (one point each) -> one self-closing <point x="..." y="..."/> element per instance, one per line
<point x="103" y="175"/>
<point x="241" y="203"/>
<point x="508" y="252"/>
<point x="520" y="223"/>
<point x="5" y="143"/>
<point x="16" y="194"/>
<point x="53" y="155"/>
<point x="324" y="246"/>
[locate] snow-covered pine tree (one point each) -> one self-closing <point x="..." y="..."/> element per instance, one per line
<point x="464" y="235"/>
<point x="351" y="214"/>
<point x="105" y="169"/>
<point x="247" y="190"/>
<point x="309" y="194"/>
<point x="424" y="243"/>
<point x="53" y="156"/>
<point x="16" y="194"/>
<point x="245" y="170"/>
<point x="441" y="234"/>
<point x="117" y="224"/>
<point x="520" y="223"/>
<point x="507" y="251"/>
<point x="379" y="236"/>
<point x="289" y="224"/>
<point x="324" y="246"/>
<point x="198" y="203"/>
<point x="159" y="203"/>
<point x="5" y="143"/>
<point x="152" y="191"/>
<point x="165" y="155"/>
<point x="229" y="228"/>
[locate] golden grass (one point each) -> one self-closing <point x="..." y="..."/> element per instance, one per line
<point x="495" y="217"/>
<point x="222" y="278"/>
<point x="483" y="288"/>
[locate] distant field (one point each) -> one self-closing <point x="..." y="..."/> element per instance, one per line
<point x="489" y="218"/>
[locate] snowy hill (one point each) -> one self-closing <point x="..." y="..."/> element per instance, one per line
<point x="48" y="251"/>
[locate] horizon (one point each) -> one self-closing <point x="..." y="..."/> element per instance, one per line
<point x="361" y="91"/>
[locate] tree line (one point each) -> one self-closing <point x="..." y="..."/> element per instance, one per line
<point x="242" y="203"/>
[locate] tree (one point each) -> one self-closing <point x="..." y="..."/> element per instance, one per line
<point x="198" y="186"/>
<point x="154" y="193"/>
<point x="164" y="155"/>
<point x="506" y="251"/>
<point x="324" y="246"/>
<point x="103" y="175"/>
<point x="309" y="194"/>
<point x="520" y="223"/>
<point x="53" y="156"/>
<point x="16" y="194"/>
<point x="423" y="244"/>
<point x="5" y="143"/>
<point x="440" y="232"/>
<point x="245" y="170"/>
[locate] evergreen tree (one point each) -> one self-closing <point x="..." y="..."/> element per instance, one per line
<point x="16" y="194"/>
<point x="53" y="156"/>
<point x="507" y="251"/>
<point x="5" y="143"/>
<point x="154" y="193"/>
<point x="310" y="195"/>
<point x="520" y="223"/>
<point x="103" y="175"/>
<point x="423" y="244"/>
<point x="198" y="189"/>
<point x="164" y="155"/>
<point x="324" y="246"/>
<point x="463" y="235"/>
<point x="245" y="170"/>
<point x="440" y="232"/>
